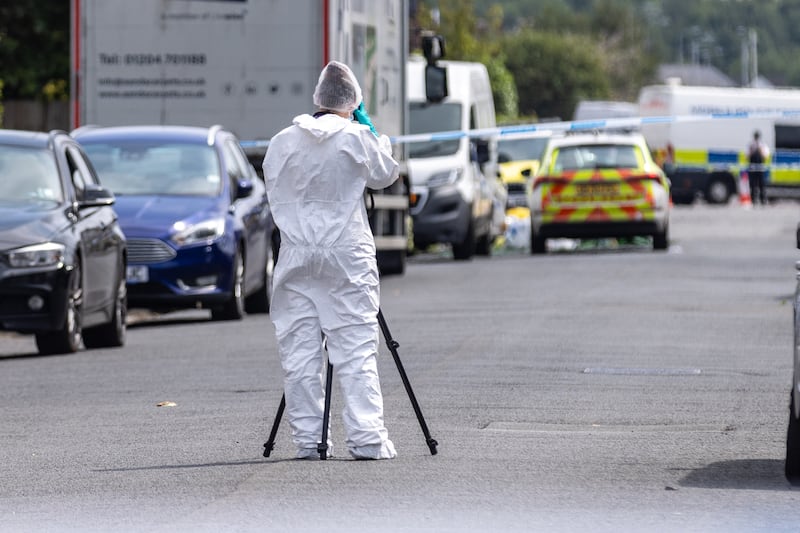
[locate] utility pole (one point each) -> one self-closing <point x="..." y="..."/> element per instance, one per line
<point x="753" y="39"/>
<point x="745" y="46"/>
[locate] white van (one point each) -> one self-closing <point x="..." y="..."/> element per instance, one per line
<point x="456" y="195"/>
<point x="599" y="109"/>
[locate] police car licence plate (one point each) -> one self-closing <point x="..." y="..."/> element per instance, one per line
<point x="137" y="274"/>
<point x="597" y="192"/>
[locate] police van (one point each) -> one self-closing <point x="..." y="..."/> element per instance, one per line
<point x="706" y="158"/>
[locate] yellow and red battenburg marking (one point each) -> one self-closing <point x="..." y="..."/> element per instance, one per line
<point x="601" y="195"/>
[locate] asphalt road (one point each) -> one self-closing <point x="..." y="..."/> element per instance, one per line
<point x="598" y="389"/>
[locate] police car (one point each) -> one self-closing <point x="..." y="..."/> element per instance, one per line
<point x="598" y="185"/>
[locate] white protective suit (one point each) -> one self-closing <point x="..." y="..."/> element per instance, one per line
<point x="326" y="277"/>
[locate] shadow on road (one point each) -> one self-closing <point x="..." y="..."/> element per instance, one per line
<point x="222" y="463"/>
<point x="748" y="474"/>
<point x="138" y="318"/>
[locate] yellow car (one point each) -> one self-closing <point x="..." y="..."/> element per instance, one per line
<point x="597" y="185"/>
<point x="518" y="157"/>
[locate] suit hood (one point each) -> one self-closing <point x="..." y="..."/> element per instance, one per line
<point x="322" y="127"/>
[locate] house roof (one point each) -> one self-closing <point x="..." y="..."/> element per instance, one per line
<point x="690" y="74"/>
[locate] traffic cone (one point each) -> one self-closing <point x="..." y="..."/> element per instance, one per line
<point x="744" y="191"/>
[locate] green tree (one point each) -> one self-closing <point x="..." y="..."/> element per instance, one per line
<point x="466" y="40"/>
<point x="553" y="72"/>
<point x="621" y="39"/>
<point x="34" y="49"/>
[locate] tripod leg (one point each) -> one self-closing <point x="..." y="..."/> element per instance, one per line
<point x="322" y="447"/>
<point x="271" y="441"/>
<point x="393" y="345"/>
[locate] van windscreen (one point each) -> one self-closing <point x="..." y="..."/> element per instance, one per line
<point x="431" y="118"/>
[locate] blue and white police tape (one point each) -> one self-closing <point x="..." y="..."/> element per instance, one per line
<point x="589" y="125"/>
<point x="571" y="126"/>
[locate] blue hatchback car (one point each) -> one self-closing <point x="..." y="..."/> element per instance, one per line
<point x="195" y="214"/>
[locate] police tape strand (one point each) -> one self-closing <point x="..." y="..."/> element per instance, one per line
<point x="568" y="126"/>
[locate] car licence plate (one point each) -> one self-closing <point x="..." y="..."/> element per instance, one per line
<point x="516" y="200"/>
<point x="137" y="274"/>
<point x="597" y="192"/>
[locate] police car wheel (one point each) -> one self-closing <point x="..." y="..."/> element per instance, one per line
<point x="661" y="240"/>
<point x="538" y="244"/>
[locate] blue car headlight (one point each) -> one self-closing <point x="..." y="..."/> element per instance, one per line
<point x="207" y="231"/>
<point x="38" y="255"/>
<point x="447" y="177"/>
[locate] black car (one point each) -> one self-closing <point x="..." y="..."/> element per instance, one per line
<point x="195" y="215"/>
<point x="62" y="251"/>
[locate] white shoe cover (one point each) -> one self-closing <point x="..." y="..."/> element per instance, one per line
<point x="385" y="450"/>
<point x="312" y="454"/>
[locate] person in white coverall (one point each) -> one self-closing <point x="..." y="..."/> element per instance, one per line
<point x="326" y="279"/>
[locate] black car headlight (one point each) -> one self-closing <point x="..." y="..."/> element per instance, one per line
<point x="38" y="255"/>
<point x="206" y="231"/>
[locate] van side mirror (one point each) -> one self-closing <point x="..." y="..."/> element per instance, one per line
<point x="435" y="83"/>
<point x="482" y="151"/>
<point x="435" y="76"/>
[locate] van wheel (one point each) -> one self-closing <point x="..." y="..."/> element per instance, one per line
<point x="717" y="192"/>
<point x="484" y="245"/>
<point x="392" y="262"/>
<point x="464" y="250"/>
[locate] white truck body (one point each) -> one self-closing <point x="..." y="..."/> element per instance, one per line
<point x="456" y="199"/>
<point x="250" y="65"/>
<point x="594" y="109"/>
<point x="709" y="154"/>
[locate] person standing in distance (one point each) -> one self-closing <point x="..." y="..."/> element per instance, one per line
<point x="757" y="154"/>
<point x="326" y="282"/>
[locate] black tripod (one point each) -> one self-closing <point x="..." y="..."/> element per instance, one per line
<point x="322" y="446"/>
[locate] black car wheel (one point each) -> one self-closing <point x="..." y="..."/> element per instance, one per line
<point x="792" y="465"/>
<point x="67" y="339"/>
<point x="234" y="308"/>
<point x="111" y="334"/>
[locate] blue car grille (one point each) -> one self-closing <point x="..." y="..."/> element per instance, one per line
<point x="149" y="251"/>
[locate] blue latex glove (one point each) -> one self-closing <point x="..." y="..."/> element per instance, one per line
<point x="362" y="117"/>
